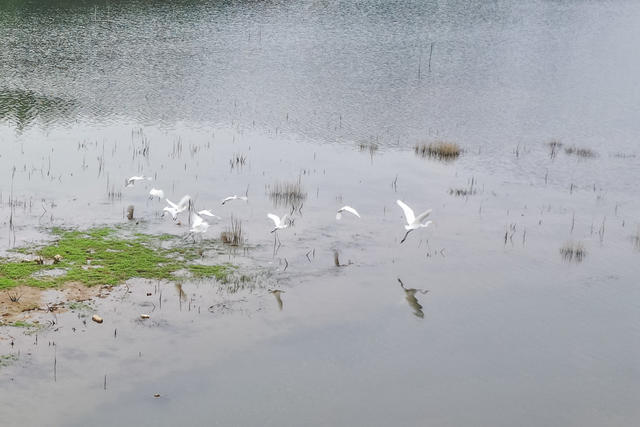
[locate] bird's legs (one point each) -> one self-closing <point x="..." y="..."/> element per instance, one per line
<point x="405" y="236"/>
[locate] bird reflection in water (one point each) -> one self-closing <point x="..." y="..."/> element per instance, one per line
<point x="276" y="293"/>
<point x="181" y="292"/>
<point x="410" y="295"/>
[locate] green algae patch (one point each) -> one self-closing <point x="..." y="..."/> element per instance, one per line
<point x="7" y="359"/>
<point x="104" y="256"/>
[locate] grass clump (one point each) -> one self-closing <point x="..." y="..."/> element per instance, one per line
<point x="233" y="235"/>
<point x="440" y="150"/>
<point x="573" y="251"/>
<point x="554" y="146"/>
<point x="371" y="147"/>
<point x="79" y="306"/>
<point x="580" y="152"/>
<point x="100" y="256"/>
<point x="287" y="194"/>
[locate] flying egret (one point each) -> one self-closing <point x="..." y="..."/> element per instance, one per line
<point x="175" y="209"/>
<point x="234" y="197"/>
<point x="347" y="209"/>
<point x="130" y="182"/>
<point x="156" y="193"/>
<point x="207" y="212"/>
<point x="413" y="222"/>
<point x="198" y="225"/>
<point x="280" y="223"/>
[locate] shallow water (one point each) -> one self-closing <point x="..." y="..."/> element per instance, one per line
<point x="509" y="332"/>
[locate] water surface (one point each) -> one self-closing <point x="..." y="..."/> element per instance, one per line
<point x="509" y="332"/>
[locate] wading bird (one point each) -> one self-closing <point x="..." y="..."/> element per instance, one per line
<point x="413" y="222"/>
<point x="280" y="223"/>
<point x="234" y="197"/>
<point x="156" y="193"/>
<point x="130" y="182"/>
<point x="347" y="209"/>
<point x="175" y="209"/>
<point x="207" y="212"/>
<point x="198" y="225"/>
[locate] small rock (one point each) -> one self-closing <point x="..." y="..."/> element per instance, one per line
<point x="96" y="318"/>
<point x="148" y="294"/>
<point x="144" y="316"/>
<point x="57" y="258"/>
<point x="156" y="395"/>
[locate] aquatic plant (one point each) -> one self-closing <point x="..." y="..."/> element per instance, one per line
<point x="554" y="146"/>
<point x="580" y="151"/>
<point x="573" y="251"/>
<point x="233" y="234"/>
<point x="441" y="150"/>
<point x="101" y="256"/>
<point x="287" y="193"/>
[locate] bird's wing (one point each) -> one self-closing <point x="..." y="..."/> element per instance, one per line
<point x="196" y="220"/>
<point x="423" y="215"/>
<point x="208" y="213"/>
<point x="173" y="205"/>
<point x="351" y="210"/>
<point x="338" y="215"/>
<point x="184" y="202"/>
<point x="274" y="218"/>
<point x="245" y="198"/>
<point x="408" y="212"/>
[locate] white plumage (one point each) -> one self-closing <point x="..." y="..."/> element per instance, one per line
<point x="279" y="223"/>
<point x="156" y="193"/>
<point x="413" y="222"/>
<point x="234" y="197"/>
<point x="347" y="209"/>
<point x="175" y="209"/>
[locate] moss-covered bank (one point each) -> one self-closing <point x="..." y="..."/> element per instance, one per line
<point x="105" y="256"/>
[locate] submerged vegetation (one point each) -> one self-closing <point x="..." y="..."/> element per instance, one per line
<point x="440" y="150"/>
<point x="102" y="256"/>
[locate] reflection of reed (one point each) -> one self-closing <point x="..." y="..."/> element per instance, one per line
<point x="23" y="107"/>
<point x="276" y="293"/>
<point x="287" y="194"/>
<point x="410" y="295"/>
<point x="181" y="293"/>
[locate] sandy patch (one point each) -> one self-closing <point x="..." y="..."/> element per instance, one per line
<point x="29" y="301"/>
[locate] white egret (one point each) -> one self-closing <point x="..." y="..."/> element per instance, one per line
<point x="156" y="193"/>
<point x="198" y="225"/>
<point x="175" y="209"/>
<point x="280" y="223"/>
<point x="234" y="197"/>
<point x="413" y="222"/>
<point x="347" y="209"/>
<point x="130" y="182"/>
<point x="207" y="212"/>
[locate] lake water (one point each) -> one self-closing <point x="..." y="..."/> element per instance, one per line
<point x="510" y="331"/>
